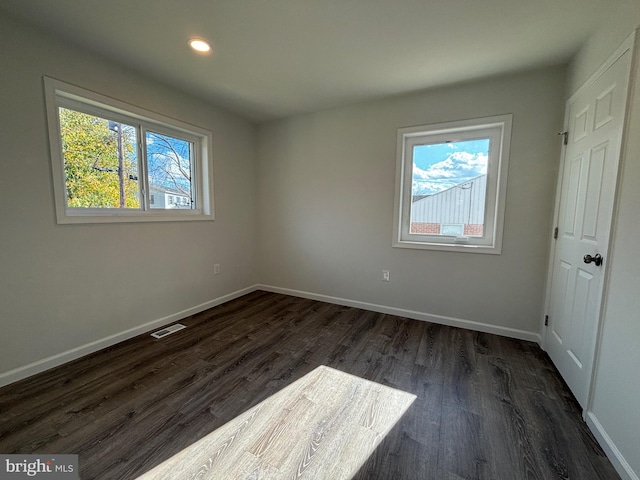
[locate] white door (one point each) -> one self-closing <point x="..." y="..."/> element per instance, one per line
<point x="594" y="120"/>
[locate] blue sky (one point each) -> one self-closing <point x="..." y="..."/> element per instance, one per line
<point x="169" y="161"/>
<point x="443" y="165"/>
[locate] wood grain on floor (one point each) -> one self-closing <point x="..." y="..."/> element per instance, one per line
<point x="323" y="426"/>
<point x="486" y="407"/>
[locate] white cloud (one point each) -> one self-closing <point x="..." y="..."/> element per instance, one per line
<point x="419" y="173"/>
<point x="457" y="168"/>
<point x="428" y="188"/>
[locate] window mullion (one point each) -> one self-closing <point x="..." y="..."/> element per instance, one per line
<point x="196" y="200"/>
<point x="142" y="131"/>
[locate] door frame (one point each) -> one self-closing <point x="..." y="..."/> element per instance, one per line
<point x="627" y="46"/>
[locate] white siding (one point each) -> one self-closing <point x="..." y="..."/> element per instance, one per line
<point x="461" y="204"/>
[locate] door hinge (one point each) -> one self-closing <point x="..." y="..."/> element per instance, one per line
<point x="565" y="137"/>
<point x="546" y="320"/>
<point x="555" y="233"/>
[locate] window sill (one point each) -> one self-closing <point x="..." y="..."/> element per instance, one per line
<point x="131" y="218"/>
<point x="447" y="247"/>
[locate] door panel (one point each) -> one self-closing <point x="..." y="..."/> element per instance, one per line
<point x="579" y="326"/>
<point x="561" y="278"/>
<point x="593" y="199"/>
<point x="604" y="108"/>
<point x="571" y="206"/>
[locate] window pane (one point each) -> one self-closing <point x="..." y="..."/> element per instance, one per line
<point x="170" y="169"/>
<point x="448" y="189"/>
<point x="448" y="229"/>
<point x="100" y="161"/>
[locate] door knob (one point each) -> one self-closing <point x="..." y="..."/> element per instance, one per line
<point x="597" y="259"/>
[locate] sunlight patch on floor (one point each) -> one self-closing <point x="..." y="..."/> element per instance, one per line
<point x="323" y="426"/>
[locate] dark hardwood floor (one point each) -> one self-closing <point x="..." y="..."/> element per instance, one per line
<point x="488" y="407"/>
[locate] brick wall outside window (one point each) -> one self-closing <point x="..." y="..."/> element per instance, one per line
<point x="425" y="228"/>
<point x="471" y="230"/>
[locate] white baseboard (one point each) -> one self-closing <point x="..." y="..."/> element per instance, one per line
<point x="45" y="364"/>
<point x="401" y="312"/>
<point x="615" y="456"/>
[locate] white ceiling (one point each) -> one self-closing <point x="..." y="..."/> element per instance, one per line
<point x="275" y="58"/>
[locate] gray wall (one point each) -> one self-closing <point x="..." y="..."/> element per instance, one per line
<point x="614" y="410"/>
<point x="326" y="194"/>
<point x="63" y="287"/>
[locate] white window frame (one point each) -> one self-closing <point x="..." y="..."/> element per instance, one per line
<point x="61" y="94"/>
<point x="498" y="129"/>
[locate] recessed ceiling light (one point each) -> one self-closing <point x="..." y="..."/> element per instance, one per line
<point x="200" y="45"/>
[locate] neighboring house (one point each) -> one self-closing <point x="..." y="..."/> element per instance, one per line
<point x="455" y="211"/>
<point x="162" y="197"/>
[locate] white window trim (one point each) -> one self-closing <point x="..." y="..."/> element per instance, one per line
<point x="58" y="93"/>
<point x="496" y="185"/>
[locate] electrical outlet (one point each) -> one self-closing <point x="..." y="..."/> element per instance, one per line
<point x="385" y="276"/>
<point x="216" y="269"/>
